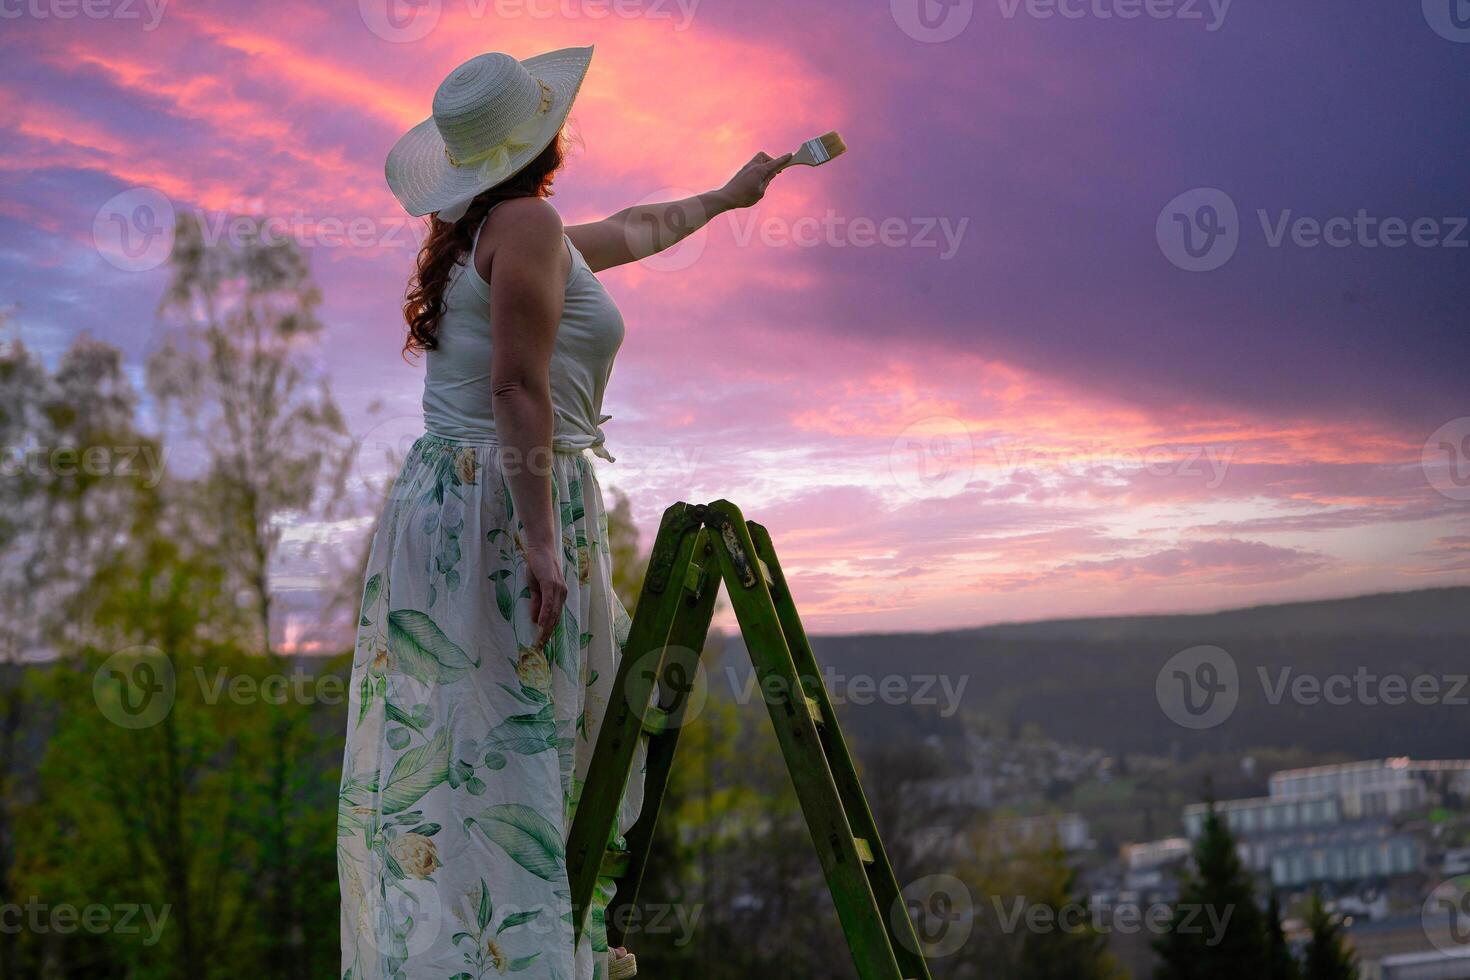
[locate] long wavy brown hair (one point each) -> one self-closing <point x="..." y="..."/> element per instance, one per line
<point x="448" y="241"/>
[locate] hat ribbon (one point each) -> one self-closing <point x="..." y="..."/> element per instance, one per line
<point x="495" y="159"/>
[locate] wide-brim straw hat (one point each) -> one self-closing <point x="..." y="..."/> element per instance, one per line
<point x="492" y="116"/>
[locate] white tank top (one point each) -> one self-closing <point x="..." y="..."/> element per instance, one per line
<point x="457" y="402"/>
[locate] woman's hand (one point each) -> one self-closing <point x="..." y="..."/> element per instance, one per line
<point x="749" y="184"/>
<point x="548" y="589"/>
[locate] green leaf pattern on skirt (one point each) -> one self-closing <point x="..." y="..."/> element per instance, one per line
<point x="466" y="746"/>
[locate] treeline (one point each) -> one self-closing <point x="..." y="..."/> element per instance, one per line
<point x="1328" y="677"/>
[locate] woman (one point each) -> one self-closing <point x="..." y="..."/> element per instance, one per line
<point x="490" y="633"/>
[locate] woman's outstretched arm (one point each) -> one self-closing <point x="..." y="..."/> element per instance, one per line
<point x="646" y="229"/>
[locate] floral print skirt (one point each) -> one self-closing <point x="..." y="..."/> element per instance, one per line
<point x="466" y="746"/>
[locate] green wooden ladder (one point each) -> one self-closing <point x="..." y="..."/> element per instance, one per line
<point x="696" y="547"/>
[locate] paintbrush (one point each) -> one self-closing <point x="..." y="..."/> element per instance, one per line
<point x="818" y="150"/>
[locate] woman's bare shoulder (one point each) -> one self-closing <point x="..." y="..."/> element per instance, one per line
<point x="527" y="227"/>
<point x="525" y="221"/>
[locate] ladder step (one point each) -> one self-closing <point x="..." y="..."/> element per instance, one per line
<point x="655" y="720"/>
<point x="864" y="851"/>
<point x="814" y="709"/>
<point x="614" y="864"/>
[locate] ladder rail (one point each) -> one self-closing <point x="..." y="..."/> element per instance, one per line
<point x="676" y="673"/>
<point x="627" y="712"/>
<point x="796" y="731"/>
<point x="880" y="872"/>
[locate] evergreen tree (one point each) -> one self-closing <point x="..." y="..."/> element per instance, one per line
<point x="1073" y="949"/>
<point x="1218" y="931"/>
<point x="1328" y="957"/>
<point x="1280" y="964"/>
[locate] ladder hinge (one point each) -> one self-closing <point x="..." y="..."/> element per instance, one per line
<point x="694" y="579"/>
<point x="737" y="554"/>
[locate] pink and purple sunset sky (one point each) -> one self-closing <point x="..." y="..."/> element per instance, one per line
<point x="975" y="388"/>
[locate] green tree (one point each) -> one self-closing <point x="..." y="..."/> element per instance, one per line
<point x="1072" y="948"/>
<point x="1280" y="964"/>
<point x="235" y="364"/>
<point x="74" y="464"/>
<point x="1327" y="956"/>
<point x="1218" y="889"/>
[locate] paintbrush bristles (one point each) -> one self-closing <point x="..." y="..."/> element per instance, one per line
<point x="832" y="142"/>
<point x="818" y="150"/>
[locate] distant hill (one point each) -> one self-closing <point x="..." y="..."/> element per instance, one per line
<point x="1092" y="681"/>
